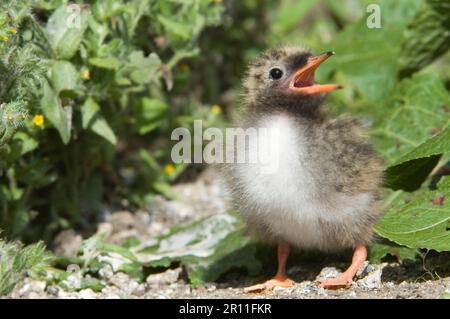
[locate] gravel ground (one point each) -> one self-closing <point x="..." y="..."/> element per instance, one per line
<point x="203" y="198"/>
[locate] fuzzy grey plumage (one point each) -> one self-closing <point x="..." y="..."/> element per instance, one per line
<point x="324" y="194"/>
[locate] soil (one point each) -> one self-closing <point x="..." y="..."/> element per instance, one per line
<point x="205" y="197"/>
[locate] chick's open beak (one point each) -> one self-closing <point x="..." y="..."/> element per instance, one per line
<point x="303" y="79"/>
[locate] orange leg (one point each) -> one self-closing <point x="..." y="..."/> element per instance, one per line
<point x="280" y="279"/>
<point x="346" y="278"/>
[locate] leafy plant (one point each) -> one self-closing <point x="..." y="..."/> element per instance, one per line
<point x="97" y="79"/>
<point x="16" y="261"/>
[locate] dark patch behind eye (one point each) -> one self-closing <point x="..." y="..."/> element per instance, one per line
<point x="298" y="60"/>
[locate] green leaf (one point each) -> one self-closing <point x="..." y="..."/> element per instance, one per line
<point x="65" y="29"/>
<point x="164" y="189"/>
<point x="405" y="133"/>
<point x="378" y="251"/>
<point x="93" y="120"/>
<point x="145" y="68"/>
<point x="174" y="27"/>
<point x="105" y="63"/>
<point x="410" y="175"/>
<point x="60" y="117"/>
<point x="411" y="115"/>
<point x="427" y="37"/>
<point x="417" y="222"/>
<point x="16" y="260"/>
<point x="438" y="144"/>
<point x="139" y="69"/>
<point x="149" y="114"/>
<point x="63" y="76"/>
<point x="208" y="248"/>
<point x="413" y="168"/>
<point x="27" y="143"/>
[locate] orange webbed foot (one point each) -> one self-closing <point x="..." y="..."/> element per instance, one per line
<point x="346" y="279"/>
<point x="269" y="285"/>
<point x="342" y="281"/>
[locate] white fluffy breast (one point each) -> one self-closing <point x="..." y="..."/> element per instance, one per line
<point x="281" y="178"/>
<point x="282" y="190"/>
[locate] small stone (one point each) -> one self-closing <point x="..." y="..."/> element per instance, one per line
<point x="139" y="291"/>
<point x="53" y="290"/>
<point x="32" y="287"/>
<point x="365" y="269"/>
<point x="327" y="273"/>
<point x="87" y="294"/>
<point x="322" y="291"/>
<point x="67" y="295"/>
<point x="124" y="283"/>
<point x="212" y="288"/>
<point x="110" y="292"/>
<point x="283" y="290"/>
<point x="106" y="272"/>
<point x="306" y="288"/>
<point x="164" y="278"/>
<point x="372" y="280"/>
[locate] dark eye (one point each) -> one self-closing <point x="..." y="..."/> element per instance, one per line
<point x="276" y="73"/>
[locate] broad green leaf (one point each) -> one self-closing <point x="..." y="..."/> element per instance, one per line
<point x="105" y="63"/>
<point x="438" y="144"/>
<point x="410" y="175"/>
<point x="61" y="118"/>
<point x="411" y="115"/>
<point x="208" y="248"/>
<point x="139" y="69"/>
<point x="378" y="251"/>
<point x="412" y="169"/>
<point x="149" y="114"/>
<point x="92" y="119"/>
<point x="416" y="222"/>
<point x="65" y="29"/>
<point x="410" y="118"/>
<point x="63" y="76"/>
<point x="146" y="68"/>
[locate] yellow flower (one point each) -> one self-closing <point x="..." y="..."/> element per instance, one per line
<point x="38" y="120"/>
<point x="5" y="38"/>
<point x="86" y="75"/>
<point x="169" y="169"/>
<point x="12" y="30"/>
<point x="184" y="68"/>
<point x="216" y="109"/>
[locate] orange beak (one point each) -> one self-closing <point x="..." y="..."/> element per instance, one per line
<point x="303" y="79"/>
